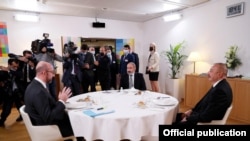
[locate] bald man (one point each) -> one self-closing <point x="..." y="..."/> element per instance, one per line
<point x="214" y="104"/>
<point x="42" y="108"/>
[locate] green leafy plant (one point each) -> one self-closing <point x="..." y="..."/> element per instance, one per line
<point x="233" y="60"/>
<point x="175" y="58"/>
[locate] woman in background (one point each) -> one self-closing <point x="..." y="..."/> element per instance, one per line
<point x="153" y="67"/>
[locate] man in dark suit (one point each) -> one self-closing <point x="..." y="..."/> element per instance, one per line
<point x="136" y="60"/>
<point x="42" y="108"/>
<point x="137" y="79"/>
<point x="113" y="67"/>
<point x="88" y="78"/>
<point x="72" y="76"/>
<point x="12" y="89"/>
<point x="103" y="69"/>
<point x="125" y="59"/>
<point x="214" y="104"/>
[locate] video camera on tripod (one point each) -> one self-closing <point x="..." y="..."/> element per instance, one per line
<point x="38" y="44"/>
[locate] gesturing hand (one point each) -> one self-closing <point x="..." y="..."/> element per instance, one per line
<point x="64" y="94"/>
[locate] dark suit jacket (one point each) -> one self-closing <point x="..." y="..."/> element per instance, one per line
<point x="43" y="109"/>
<point x="139" y="82"/>
<point x="136" y="60"/>
<point x="114" y="64"/>
<point x="124" y="61"/>
<point x="90" y="60"/>
<point x="67" y="69"/>
<point x="213" y="105"/>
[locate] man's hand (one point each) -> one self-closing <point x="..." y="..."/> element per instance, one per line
<point x="64" y="94"/>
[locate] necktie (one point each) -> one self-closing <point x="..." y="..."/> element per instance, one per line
<point x="110" y="59"/>
<point x="131" y="81"/>
<point x="28" y="78"/>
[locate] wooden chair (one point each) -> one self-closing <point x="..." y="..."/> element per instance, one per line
<point x="44" y="132"/>
<point x="218" y="122"/>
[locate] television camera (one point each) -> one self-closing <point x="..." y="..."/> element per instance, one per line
<point x="70" y="49"/>
<point x="37" y="45"/>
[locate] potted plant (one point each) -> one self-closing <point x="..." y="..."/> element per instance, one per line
<point x="232" y="59"/>
<point x="175" y="58"/>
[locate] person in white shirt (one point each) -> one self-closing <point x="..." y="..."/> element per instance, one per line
<point x="153" y="67"/>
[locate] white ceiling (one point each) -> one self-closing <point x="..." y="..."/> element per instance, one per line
<point x="126" y="10"/>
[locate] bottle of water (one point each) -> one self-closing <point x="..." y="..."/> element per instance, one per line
<point x="121" y="89"/>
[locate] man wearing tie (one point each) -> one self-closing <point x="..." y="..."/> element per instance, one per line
<point x="214" y="104"/>
<point x="132" y="79"/>
<point x="113" y="67"/>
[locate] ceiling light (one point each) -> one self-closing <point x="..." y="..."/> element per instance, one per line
<point x="26" y="17"/>
<point x="172" y="17"/>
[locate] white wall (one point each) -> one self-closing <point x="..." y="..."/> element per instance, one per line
<point x="205" y="29"/>
<point x="20" y="34"/>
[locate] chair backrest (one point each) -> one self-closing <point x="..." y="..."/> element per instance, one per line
<point x="219" y="122"/>
<point x="41" y="133"/>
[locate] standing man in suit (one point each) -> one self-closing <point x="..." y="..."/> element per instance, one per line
<point x="214" y="104"/>
<point x="87" y="69"/>
<point x="103" y="69"/>
<point x="113" y="67"/>
<point x="132" y="79"/>
<point x="72" y="74"/>
<point x="125" y="59"/>
<point x="41" y="107"/>
<point x="136" y="60"/>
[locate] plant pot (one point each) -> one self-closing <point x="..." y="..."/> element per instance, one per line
<point x="173" y="88"/>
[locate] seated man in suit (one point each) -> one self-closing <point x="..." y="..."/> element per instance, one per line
<point x="132" y="78"/>
<point x="214" y="104"/>
<point x="42" y="108"/>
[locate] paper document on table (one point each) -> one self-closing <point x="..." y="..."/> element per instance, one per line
<point x="96" y="112"/>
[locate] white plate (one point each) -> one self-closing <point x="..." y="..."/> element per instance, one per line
<point x="76" y="105"/>
<point x="164" y="102"/>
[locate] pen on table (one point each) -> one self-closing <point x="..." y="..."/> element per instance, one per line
<point x="101" y="108"/>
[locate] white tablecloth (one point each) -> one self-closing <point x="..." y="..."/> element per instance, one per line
<point x="128" y="121"/>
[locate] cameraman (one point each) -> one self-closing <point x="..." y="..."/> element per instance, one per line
<point x="72" y="76"/>
<point x="48" y="54"/>
<point x="12" y="92"/>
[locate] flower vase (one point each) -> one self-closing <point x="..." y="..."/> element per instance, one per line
<point x="230" y="73"/>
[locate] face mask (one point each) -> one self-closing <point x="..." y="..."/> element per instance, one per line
<point x="93" y="52"/>
<point x="125" y="52"/>
<point x="102" y="54"/>
<point x="151" y="49"/>
<point x="109" y="53"/>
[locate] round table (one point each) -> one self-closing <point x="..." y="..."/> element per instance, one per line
<point x="128" y="120"/>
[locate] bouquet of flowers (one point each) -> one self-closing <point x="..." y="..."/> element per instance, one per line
<point x="233" y="60"/>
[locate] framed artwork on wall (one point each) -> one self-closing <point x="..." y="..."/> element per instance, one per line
<point x="235" y="10"/>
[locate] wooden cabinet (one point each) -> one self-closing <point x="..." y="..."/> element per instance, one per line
<point x="197" y="86"/>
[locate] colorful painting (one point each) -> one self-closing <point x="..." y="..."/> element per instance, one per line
<point x="120" y="43"/>
<point x="4" y="48"/>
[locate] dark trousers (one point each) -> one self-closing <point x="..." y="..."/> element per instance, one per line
<point x="179" y="118"/>
<point x="8" y="101"/>
<point x="76" y="85"/>
<point x="113" y="80"/>
<point x="88" y="80"/>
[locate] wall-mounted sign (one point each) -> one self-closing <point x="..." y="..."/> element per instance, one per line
<point x="235" y="10"/>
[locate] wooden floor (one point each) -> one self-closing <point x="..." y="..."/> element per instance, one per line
<point x="16" y="131"/>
